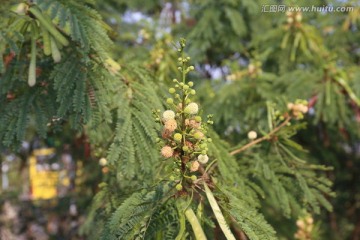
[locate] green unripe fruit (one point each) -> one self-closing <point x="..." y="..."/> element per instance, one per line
<point x="172" y="90"/>
<point x="198" y="118"/>
<point x="179" y="187"/>
<point x="177" y="137"/>
<point x="170" y="101"/>
<point x="193" y="92"/>
<point x="193" y="177"/>
<point x="186" y="87"/>
<point x="185" y="148"/>
<point x="190" y="84"/>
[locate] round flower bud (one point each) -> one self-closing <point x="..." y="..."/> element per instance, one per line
<point x="167" y="151"/>
<point x="177" y="137"/>
<point x="193" y="177"/>
<point x="193" y="92"/>
<point x="198" y="135"/>
<point x="186" y="87"/>
<point x="203" y="158"/>
<point x="172" y="177"/>
<point x="209" y="140"/>
<point x="168" y="114"/>
<point x="194" y="166"/>
<point x="290" y="106"/>
<point x="102" y="161"/>
<point x="185" y="148"/>
<point x="171" y="125"/>
<point x="191" y="68"/>
<point x="179" y="187"/>
<point x="188" y="101"/>
<point x="198" y="118"/>
<point x="172" y="90"/>
<point x="190" y="84"/>
<point x="252" y="135"/>
<point x="175" y="80"/>
<point x="192" y="108"/>
<point x="300" y="223"/>
<point x="170" y="101"/>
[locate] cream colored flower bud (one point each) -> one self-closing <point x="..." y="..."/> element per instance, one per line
<point x="192" y="108"/>
<point x="102" y="161"/>
<point x="203" y="158"/>
<point x="252" y="135"/>
<point x="168" y="114"/>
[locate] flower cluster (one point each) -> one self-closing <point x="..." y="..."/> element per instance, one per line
<point x="298" y="109"/>
<point x="183" y="136"/>
<point x="305" y="227"/>
<point x="253" y="70"/>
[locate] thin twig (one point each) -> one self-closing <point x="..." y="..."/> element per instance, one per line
<point x="266" y="137"/>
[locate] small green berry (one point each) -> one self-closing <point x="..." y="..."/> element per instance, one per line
<point x="193" y="177"/>
<point x="185" y="148"/>
<point x="197" y="118"/>
<point x="172" y="90"/>
<point x="170" y="101"/>
<point x="177" y="137"/>
<point x="179" y="187"/>
<point x="190" y="84"/>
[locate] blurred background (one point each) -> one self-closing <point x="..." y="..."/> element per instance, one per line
<point x="246" y="52"/>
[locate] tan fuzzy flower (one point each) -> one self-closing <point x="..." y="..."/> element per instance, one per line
<point x="167" y="151"/>
<point x="194" y="124"/>
<point x="171" y="125"/>
<point x="194" y="166"/>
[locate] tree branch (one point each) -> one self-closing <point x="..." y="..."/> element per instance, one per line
<point x="270" y="134"/>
